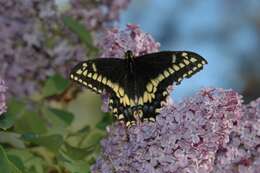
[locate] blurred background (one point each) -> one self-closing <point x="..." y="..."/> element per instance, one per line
<point x="225" y="32"/>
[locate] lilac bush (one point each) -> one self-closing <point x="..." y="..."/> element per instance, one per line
<point x="209" y="132"/>
<point x="3" y="89"/>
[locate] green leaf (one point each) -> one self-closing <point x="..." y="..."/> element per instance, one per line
<point x="62" y="115"/>
<point x="78" y="166"/>
<point x="85" y="130"/>
<point x="6" y="166"/>
<point x="36" y="165"/>
<point x="12" y="139"/>
<point x="95" y="138"/>
<point x="77" y="153"/>
<point x="6" y="121"/>
<point x="32" y="163"/>
<point x="55" y="84"/>
<point x="79" y="137"/>
<point x="51" y="142"/>
<point x="56" y="119"/>
<point x="15" y="108"/>
<point x="23" y="154"/>
<point x="79" y="29"/>
<point x="106" y="120"/>
<point x="30" y="122"/>
<point x="4" y="162"/>
<point x="17" y="162"/>
<point x="81" y="132"/>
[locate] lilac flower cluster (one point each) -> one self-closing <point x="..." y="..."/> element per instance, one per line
<point x="97" y="14"/>
<point x="209" y="132"/>
<point x="3" y="89"/>
<point x="242" y="153"/>
<point x="115" y="42"/>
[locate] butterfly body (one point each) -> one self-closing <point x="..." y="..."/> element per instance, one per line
<point x="137" y="85"/>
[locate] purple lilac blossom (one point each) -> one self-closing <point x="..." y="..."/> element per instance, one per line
<point x="97" y="15"/>
<point x="114" y="43"/>
<point x="242" y="153"/>
<point x="211" y="132"/>
<point x="35" y="44"/>
<point x="3" y="89"/>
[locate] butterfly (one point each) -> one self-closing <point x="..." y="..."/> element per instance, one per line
<point x="137" y="85"/>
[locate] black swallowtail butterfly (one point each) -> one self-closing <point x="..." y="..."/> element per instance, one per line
<point x="137" y="85"/>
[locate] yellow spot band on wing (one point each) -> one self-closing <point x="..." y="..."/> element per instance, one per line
<point x="94" y="67"/>
<point x="176" y="68"/>
<point x="79" y="71"/>
<point x="121" y="91"/>
<point x="99" y="78"/>
<point x="186" y="62"/>
<point x="149" y="87"/>
<point x="94" y="76"/>
<point x="166" y="74"/>
<point x="182" y="65"/>
<point x="90" y="75"/>
<point x="85" y="73"/>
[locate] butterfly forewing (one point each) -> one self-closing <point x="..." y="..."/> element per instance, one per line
<point x="165" y="66"/>
<point x="99" y="74"/>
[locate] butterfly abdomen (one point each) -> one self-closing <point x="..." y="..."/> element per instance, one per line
<point x="130" y="62"/>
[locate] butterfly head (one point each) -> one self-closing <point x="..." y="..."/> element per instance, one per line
<point x="129" y="54"/>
